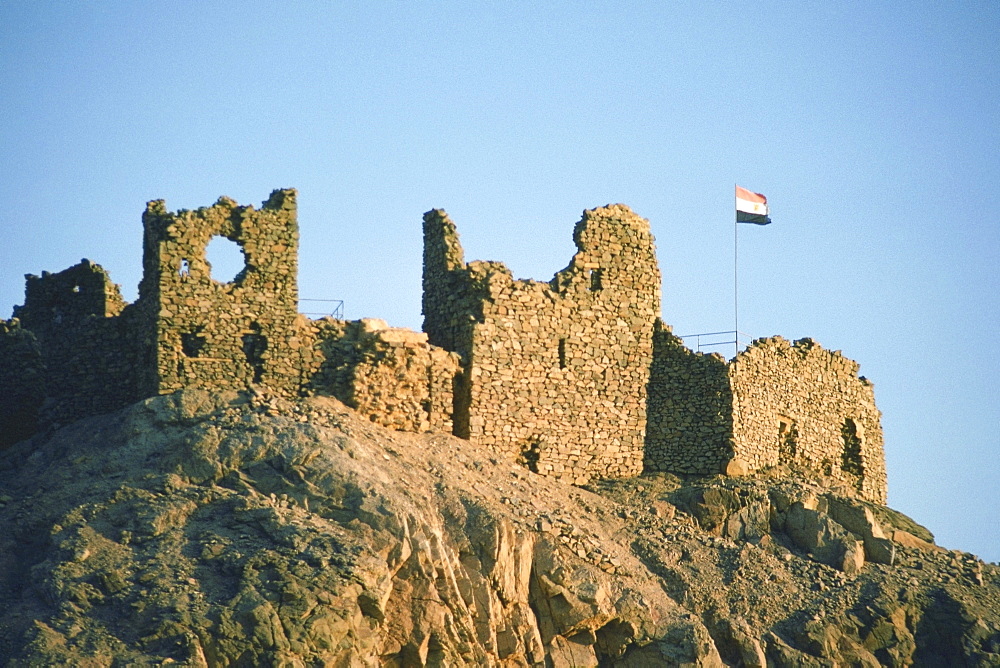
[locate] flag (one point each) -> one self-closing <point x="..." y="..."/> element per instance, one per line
<point x="751" y="207"/>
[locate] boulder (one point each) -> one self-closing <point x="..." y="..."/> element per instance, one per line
<point x="826" y="540"/>
<point x="860" y="520"/>
<point x="907" y="539"/>
<point x="736" y="467"/>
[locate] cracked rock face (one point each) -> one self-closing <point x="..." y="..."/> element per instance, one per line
<point x="243" y="530"/>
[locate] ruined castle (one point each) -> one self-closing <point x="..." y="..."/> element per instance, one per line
<point x="574" y="378"/>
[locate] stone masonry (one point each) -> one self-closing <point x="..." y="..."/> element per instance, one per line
<point x="386" y="373"/>
<point x="575" y="378"/>
<point x="690" y="409"/>
<point x="89" y="347"/>
<point x="801" y="405"/>
<point x="22" y="385"/>
<point x="776" y="403"/>
<point x="211" y="333"/>
<point x="76" y="348"/>
<point x="554" y="374"/>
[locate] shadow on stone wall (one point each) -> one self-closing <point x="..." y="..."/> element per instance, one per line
<point x="689" y="409"/>
<point x="22" y="383"/>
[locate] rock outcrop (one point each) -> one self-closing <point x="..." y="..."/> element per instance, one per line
<point x="234" y="529"/>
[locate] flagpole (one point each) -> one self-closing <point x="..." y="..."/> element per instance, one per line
<point x="736" y="282"/>
<point x="736" y="316"/>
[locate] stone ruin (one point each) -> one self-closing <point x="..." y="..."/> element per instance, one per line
<point x="776" y="403"/>
<point x="554" y="374"/>
<point x="75" y="348"/>
<point x="575" y="378"/>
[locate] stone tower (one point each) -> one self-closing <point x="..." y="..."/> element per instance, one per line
<point x="209" y="333"/>
<point x="554" y="374"/>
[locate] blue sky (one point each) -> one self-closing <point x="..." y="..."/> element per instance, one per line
<point x="874" y="132"/>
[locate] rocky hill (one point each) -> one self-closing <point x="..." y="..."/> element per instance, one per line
<point x="244" y="530"/>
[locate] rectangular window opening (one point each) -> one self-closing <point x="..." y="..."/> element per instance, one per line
<point x="851" y="435"/>
<point x="192" y="343"/>
<point x="787" y="439"/>
<point x="596" y="283"/>
<point x="254" y="347"/>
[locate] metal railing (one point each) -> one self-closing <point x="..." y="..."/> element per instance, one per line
<point x="699" y="344"/>
<point x="336" y="311"/>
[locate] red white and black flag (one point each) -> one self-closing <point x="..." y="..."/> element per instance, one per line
<point x="751" y="207"/>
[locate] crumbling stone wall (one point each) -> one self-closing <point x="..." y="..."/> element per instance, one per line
<point x="575" y="378"/>
<point x="792" y="404"/>
<point x="690" y="407"/>
<point x="555" y="373"/>
<point x="798" y="404"/>
<point x="210" y="333"/>
<point x="390" y="375"/>
<point x="77" y="349"/>
<point x="77" y="293"/>
<point x="85" y="338"/>
<point x="22" y="382"/>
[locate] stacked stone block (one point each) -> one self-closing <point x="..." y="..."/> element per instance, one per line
<point x="555" y="374"/>
<point x="22" y="382"/>
<point x="801" y="405"/>
<point x="77" y="349"/>
<point x="73" y="294"/>
<point x="85" y="338"/>
<point x="575" y="378"/>
<point x="776" y="403"/>
<point x="392" y="376"/>
<point x="690" y="406"/>
<point x="209" y="333"/>
<point x="453" y="294"/>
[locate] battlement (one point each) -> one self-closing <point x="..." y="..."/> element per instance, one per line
<point x="574" y="378"/>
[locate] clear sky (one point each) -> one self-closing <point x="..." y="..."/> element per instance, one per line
<point x="872" y="127"/>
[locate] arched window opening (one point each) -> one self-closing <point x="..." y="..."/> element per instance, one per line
<point x="852" y="437"/>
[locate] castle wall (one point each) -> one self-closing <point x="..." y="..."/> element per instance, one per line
<point x="81" y="291"/>
<point x="575" y="378"/>
<point x="210" y="333"/>
<point x="453" y="296"/>
<point x="77" y="349"/>
<point x="555" y="373"/>
<point x="22" y="382"/>
<point x="84" y="332"/>
<point x="690" y="406"/>
<point x="801" y="405"/>
<point x="776" y="403"/>
<point x="390" y="375"/>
